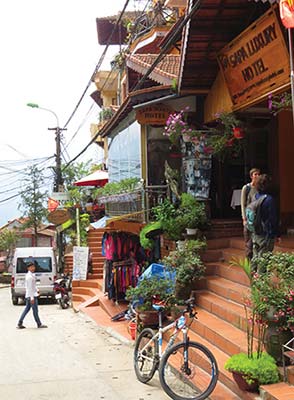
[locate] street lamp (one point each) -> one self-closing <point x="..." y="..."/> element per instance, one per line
<point x="58" y="182"/>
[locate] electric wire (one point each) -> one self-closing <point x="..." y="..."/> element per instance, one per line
<point x="81" y="125"/>
<point x="98" y="65"/>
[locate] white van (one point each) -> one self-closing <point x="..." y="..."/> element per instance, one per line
<point x="46" y="271"/>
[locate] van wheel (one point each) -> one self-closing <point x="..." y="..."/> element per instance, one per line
<point x="15" y="301"/>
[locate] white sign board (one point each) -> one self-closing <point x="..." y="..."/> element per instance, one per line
<point x="80" y="263"/>
<point x="60" y="196"/>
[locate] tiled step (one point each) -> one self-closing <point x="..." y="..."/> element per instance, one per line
<point x="221" y="334"/>
<point x="226" y="310"/>
<point x="213" y="255"/>
<point x="98" y="259"/>
<point x="232" y="253"/>
<point x="227" y="289"/>
<point x="81" y="291"/>
<point x="226" y="388"/>
<point x="286" y="245"/>
<point x="216" y="244"/>
<point x="225" y="270"/>
<point x="93" y="283"/>
<point x="80" y="298"/>
<point x="95" y="276"/>
<point x="278" y="391"/>
<point x="237" y="243"/>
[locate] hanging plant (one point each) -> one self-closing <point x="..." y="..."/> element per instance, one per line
<point x="280" y="102"/>
<point x="219" y="140"/>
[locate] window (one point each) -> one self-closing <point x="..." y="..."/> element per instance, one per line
<point x="43" y="264"/>
<point x="124" y="156"/>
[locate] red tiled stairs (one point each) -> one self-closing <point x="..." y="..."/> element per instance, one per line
<point x="221" y="319"/>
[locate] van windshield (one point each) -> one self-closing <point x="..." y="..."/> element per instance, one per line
<point x="43" y="264"/>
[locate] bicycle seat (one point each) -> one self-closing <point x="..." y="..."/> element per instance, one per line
<point x="158" y="307"/>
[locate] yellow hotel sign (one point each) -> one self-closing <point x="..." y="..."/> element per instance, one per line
<point x="256" y="62"/>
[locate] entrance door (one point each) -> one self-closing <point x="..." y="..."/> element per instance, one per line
<point x="229" y="175"/>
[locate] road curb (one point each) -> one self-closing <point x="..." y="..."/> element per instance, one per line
<point x="4" y="286"/>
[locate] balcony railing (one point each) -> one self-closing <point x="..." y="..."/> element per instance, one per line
<point x="134" y="206"/>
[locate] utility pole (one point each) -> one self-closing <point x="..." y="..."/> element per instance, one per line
<point x="58" y="181"/>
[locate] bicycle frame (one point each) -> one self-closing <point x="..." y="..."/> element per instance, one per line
<point x="161" y="330"/>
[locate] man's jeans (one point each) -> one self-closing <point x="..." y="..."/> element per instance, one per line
<point x="261" y="245"/>
<point x="248" y="243"/>
<point x="27" y="309"/>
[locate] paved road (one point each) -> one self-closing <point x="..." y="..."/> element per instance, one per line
<point x="71" y="360"/>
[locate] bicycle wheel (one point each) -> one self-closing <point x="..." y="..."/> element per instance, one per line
<point x="191" y="380"/>
<point x="146" y="355"/>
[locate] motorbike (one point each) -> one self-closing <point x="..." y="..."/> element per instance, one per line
<point x="62" y="289"/>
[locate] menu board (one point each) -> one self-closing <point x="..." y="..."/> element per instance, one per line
<point x="80" y="263"/>
<point x="197" y="169"/>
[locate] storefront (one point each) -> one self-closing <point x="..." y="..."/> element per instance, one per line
<point x="251" y="67"/>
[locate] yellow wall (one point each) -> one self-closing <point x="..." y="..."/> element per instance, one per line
<point x="217" y="100"/>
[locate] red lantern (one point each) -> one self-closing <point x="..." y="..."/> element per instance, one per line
<point x="238" y="132"/>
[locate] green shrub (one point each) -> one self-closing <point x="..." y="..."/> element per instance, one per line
<point x="262" y="369"/>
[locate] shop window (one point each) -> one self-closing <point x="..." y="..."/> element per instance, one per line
<point x="124" y="156"/>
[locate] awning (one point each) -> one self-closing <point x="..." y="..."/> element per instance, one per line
<point x="97" y="178"/>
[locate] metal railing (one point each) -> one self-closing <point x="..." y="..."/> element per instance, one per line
<point x="135" y="206"/>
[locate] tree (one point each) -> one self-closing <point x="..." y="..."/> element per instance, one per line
<point x="73" y="173"/>
<point x="8" y="240"/>
<point x="33" y="200"/>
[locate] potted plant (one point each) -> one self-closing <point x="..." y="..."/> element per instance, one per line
<point x="188" y="267"/>
<point x="168" y="215"/>
<point x="256" y="367"/>
<point x="192" y="214"/>
<point x="222" y="139"/>
<point x="147" y="291"/>
<point x="280" y="102"/>
<point x="272" y="289"/>
<point x="250" y="372"/>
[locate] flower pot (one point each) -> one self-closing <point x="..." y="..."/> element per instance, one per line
<point x="181" y="244"/>
<point x="148" y="318"/>
<point x="132" y="329"/>
<point x="183" y="291"/>
<point x="191" y="231"/>
<point x="239" y="378"/>
<point x="238" y="133"/>
<point x="274" y="341"/>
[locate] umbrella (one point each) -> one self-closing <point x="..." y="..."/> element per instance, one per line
<point x="97" y="178"/>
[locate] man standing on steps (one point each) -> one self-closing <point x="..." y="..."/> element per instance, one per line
<point x="31" y="298"/>
<point x="248" y="194"/>
<point x="264" y="240"/>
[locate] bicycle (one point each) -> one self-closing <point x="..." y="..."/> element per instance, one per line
<point x="187" y="370"/>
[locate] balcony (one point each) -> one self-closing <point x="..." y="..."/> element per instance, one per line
<point x="134" y="206"/>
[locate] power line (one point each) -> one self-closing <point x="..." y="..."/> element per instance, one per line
<point x="98" y="64"/>
<point x="81" y="125"/>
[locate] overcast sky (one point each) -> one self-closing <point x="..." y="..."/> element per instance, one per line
<point x="49" y="50"/>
